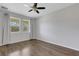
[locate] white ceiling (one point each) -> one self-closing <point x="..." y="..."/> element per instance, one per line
<point x="21" y="9"/>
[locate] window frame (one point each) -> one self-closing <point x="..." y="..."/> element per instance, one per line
<point x="19" y="24"/>
<point x="28" y="25"/>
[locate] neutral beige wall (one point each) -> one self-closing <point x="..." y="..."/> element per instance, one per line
<point x="9" y="37"/>
<point x="60" y="27"/>
<point x="3" y="27"/>
<point x="19" y="36"/>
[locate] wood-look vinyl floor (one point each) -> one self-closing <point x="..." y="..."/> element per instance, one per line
<point x="36" y="48"/>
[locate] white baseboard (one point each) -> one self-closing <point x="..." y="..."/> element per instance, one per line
<point x="59" y="44"/>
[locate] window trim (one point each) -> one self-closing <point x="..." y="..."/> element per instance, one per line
<point x="19" y="24"/>
<point x="28" y="26"/>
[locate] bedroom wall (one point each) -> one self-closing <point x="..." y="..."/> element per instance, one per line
<point x="60" y="27"/>
<point x="8" y="36"/>
<point x="3" y="27"/>
<point x="33" y="28"/>
<point x="19" y="36"/>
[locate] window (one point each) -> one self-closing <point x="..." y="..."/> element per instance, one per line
<point x="25" y="25"/>
<point x="19" y="25"/>
<point x="14" y="24"/>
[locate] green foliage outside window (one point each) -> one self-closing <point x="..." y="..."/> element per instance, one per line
<point x="25" y="25"/>
<point x="14" y="24"/>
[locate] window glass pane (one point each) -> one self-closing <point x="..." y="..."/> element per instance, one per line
<point x="25" y="25"/>
<point x="14" y="24"/>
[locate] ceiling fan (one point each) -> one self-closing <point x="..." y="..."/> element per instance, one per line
<point x="35" y="8"/>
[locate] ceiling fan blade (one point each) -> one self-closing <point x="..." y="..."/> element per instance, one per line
<point x="37" y="11"/>
<point x="30" y="10"/>
<point x="35" y="5"/>
<point x="40" y="7"/>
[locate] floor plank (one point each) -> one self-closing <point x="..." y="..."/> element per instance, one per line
<point x="36" y="48"/>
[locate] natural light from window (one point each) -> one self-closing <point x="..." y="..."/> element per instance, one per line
<point x="19" y="25"/>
